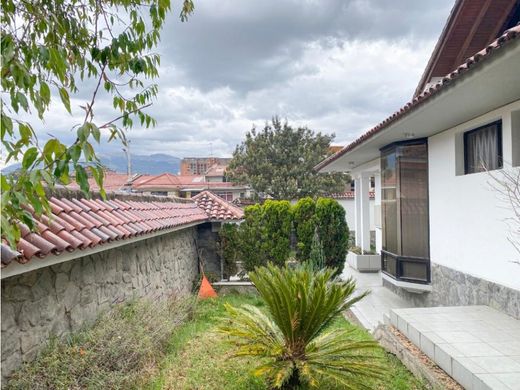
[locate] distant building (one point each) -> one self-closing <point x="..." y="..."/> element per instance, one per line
<point x="199" y="165"/>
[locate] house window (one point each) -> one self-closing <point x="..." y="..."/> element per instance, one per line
<point x="226" y="195"/>
<point x="404" y="203"/>
<point x="159" y="193"/>
<point x="483" y="148"/>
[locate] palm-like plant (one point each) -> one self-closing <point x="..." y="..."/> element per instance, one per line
<point x="294" y="339"/>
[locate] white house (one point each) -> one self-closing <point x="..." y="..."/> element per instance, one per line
<point x="441" y="227"/>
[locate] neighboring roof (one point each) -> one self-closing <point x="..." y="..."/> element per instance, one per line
<point x="112" y="182"/>
<point x="217" y="208"/>
<point x="216" y="170"/>
<point x="78" y="224"/>
<point x="472" y="24"/>
<point x="157" y="181"/>
<point x="168" y="181"/>
<point x="350" y="195"/>
<point x="469" y="65"/>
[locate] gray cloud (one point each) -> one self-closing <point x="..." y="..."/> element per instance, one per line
<point x="337" y="66"/>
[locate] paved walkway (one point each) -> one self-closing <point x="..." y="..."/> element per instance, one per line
<point x="370" y="311"/>
<point x="477" y="345"/>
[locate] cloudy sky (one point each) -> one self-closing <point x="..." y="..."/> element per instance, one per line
<point x="337" y="66"/>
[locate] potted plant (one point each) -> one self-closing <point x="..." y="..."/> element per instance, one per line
<point x="363" y="261"/>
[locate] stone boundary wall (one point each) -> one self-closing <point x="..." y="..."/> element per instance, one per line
<point x="455" y="288"/>
<point x="63" y="298"/>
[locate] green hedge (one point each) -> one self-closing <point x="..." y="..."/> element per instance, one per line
<point x="305" y="226"/>
<point x="265" y="234"/>
<point x="333" y="232"/>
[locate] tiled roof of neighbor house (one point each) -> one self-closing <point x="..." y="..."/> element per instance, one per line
<point x="470" y="64"/>
<point x="350" y="195"/>
<point x="77" y="224"/>
<point x="112" y="182"/>
<point x="216" y="170"/>
<point x="217" y="208"/>
<point x="154" y="181"/>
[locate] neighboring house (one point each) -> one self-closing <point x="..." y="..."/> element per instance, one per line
<point x="186" y="186"/>
<point x="199" y="165"/>
<point x="440" y="227"/>
<point x="216" y="173"/>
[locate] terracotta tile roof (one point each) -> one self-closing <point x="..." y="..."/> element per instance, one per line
<point x="470" y="64"/>
<point x="77" y="224"/>
<point x="157" y="181"/>
<point x="112" y="182"/>
<point x="350" y="195"/>
<point x="216" y="170"/>
<point x="217" y="208"/>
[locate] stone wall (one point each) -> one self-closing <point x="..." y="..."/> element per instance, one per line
<point x="455" y="288"/>
<point x="62" y="298"/>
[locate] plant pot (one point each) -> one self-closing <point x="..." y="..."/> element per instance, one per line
<point x="364" y="263"/>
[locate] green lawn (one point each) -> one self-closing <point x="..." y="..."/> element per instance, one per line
<point x="199" y="359"/>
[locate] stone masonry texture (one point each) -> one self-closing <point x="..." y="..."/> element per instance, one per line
<point x="60" y="299"/>
<point x="455" y="288"/>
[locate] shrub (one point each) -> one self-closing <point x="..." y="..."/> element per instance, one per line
<point x="277" y="222"/>
<point x="333" y="231"/>
<point x="316" y="257"/>
<point x="264" y="235"/>
<point x="295" y="345"/>
<point x="253" y="248"/>
<point x="304" y="225"/>
<point x="121" y="350"/>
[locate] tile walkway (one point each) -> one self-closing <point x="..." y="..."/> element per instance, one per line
<point x="477" y="345"/>
<point x="370" y="311"/>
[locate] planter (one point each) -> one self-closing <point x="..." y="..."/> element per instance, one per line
<point x="364" y="263"/>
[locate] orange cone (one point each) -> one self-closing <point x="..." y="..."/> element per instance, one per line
<point x="206" y="290"/>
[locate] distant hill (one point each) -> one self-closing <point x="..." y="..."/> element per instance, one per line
<point x="153" y="164"/>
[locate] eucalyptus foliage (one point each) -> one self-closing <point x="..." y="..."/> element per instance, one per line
<point x="294" y="342"/>
<point x="279" y="161"/>
<point x="51" y="49"/>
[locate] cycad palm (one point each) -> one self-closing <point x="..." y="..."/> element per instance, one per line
<point x="293" y="338"/>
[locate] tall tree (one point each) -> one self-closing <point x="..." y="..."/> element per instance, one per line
<point x="53" y="50"/>
<point x="278" y="161"/>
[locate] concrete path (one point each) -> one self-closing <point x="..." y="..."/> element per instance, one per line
<point x="370" y="311"/>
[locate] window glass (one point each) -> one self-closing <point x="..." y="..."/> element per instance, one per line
<point x="413" y="193"/>
<point x="389" y="201"/>
<point x="483" y="148"/>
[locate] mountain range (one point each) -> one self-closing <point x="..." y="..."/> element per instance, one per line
<point x="153" y="164"/>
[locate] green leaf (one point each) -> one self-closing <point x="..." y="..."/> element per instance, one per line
<point x="82" y="178"/>
<point x="64" y="95"/>
<point x="45" y="92"/>
<point x="29" y="157"/>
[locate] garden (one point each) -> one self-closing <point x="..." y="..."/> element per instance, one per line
<point x="290" y="334"/>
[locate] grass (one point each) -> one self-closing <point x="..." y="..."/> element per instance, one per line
<point x="122" y="350"/>
<point x="199" y="359"/>
<point x="163" y="345"/>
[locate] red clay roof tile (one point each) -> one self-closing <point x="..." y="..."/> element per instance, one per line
<point x="77" y="224"/>
<point x="217" y="208"/>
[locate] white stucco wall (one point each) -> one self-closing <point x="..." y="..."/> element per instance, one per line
<point x="350" y="210"/>
<point x="468" y="229"/>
